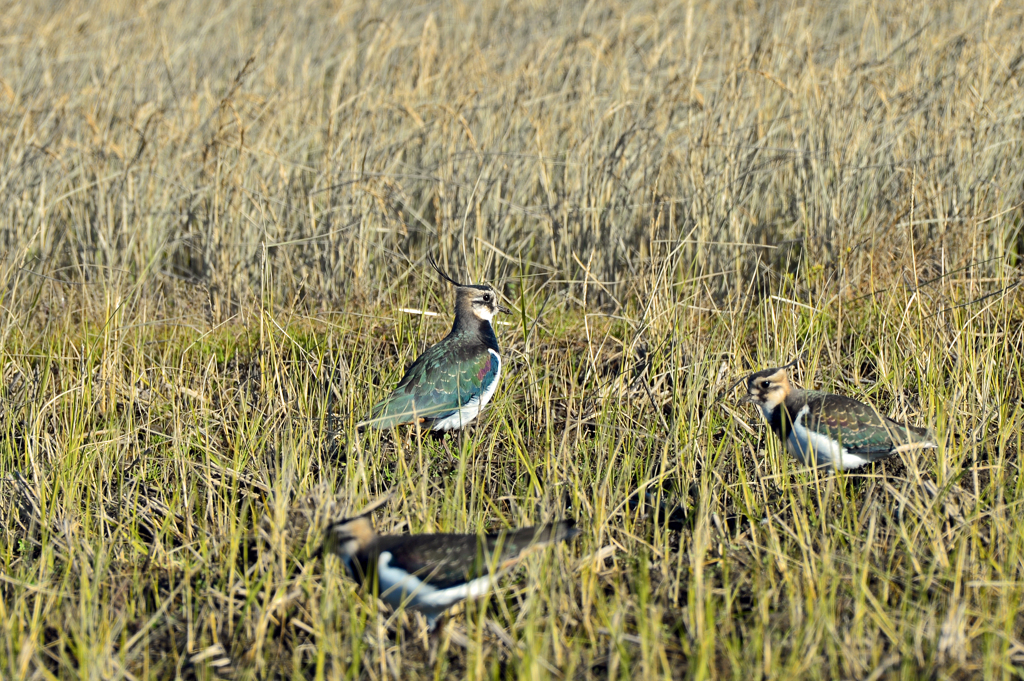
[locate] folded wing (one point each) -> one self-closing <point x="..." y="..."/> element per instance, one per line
<point x="435" y="387"/>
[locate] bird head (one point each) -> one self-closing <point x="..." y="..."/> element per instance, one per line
<point x="768" y="389"/>
<point x="477" y="300"/>
<point x="347" y="537"/>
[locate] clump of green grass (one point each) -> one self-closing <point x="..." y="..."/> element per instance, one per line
<point x="212" y="221"/>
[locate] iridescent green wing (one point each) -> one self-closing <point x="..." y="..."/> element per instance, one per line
<point x="436" y="386"/>
<point x="859" y="427"/>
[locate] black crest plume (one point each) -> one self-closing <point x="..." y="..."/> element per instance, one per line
<point x="444" y="275"/>
<point x="795" y="361"/>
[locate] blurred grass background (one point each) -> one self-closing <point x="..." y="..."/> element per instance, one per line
<point x="213" y="214"/>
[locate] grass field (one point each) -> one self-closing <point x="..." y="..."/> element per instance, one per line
<point x="214" y="220"/>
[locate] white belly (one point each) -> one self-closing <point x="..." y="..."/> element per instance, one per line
<point x="396" y="587"/>
<point x="470" y="410"/>
<point x="816" y="449"/>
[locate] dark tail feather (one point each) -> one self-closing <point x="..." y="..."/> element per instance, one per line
<point x="916" y="434"/>
<point x="923" y="433"/>
<point x="902" y="434"/>
<point x="563" y="530"/>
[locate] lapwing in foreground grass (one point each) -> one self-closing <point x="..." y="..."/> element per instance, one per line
<point x="829" y="430"/>
<point x="449" y="384"/>
<point x="433" y="572"/>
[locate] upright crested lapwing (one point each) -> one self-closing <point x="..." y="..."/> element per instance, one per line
<point x="449" y="384"/>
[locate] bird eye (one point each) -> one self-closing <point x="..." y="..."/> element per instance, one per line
<point x="765" y="384"/>
<point x="487" y="297"/>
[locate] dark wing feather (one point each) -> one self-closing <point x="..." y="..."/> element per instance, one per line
<point x="859" y="427"/>
<point x="444" y="378"/>
<point x="446" y="560"/>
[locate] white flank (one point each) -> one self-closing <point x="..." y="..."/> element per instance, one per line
<point x="803" y="442"/>
<point x="470" y="410"/>
<point x="398" y="587"/>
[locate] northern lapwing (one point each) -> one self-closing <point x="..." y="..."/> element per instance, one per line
<point x="433" y="572"/>
<point x="449" y="384"/>
<point x="829" y="430"/>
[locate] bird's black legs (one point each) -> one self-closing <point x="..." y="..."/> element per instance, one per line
<point x="433" y="636"/>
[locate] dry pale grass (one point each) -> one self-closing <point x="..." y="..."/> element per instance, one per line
<point x="212" y="216"/>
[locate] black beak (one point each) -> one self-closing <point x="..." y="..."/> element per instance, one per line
<point x="502" y="308"/>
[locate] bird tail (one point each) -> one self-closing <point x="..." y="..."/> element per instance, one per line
<point x="906" y="436"/>
<point x="912" y="439"/>
<point x="551" y="533"/>
<point x="918" y="434"/>
<point x="517" y="545"/>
